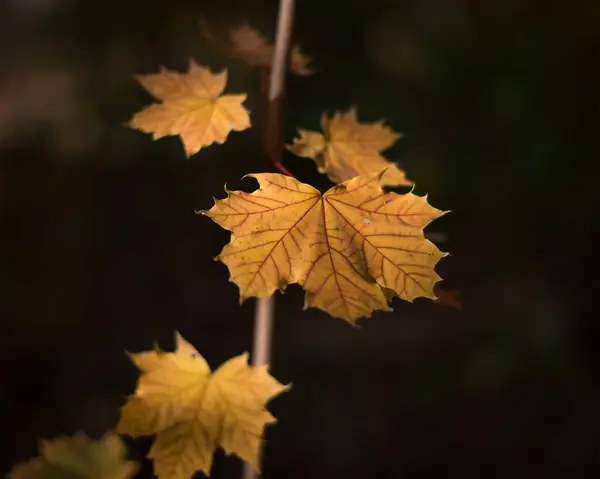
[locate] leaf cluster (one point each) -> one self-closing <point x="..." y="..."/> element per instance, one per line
<point x="352" y="249"/>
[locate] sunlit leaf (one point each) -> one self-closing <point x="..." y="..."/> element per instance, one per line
<point x="347" y="148"/>
<point x="192" y="411"/>
<point x="192" y="105"/>
<point x="343" y="246"/>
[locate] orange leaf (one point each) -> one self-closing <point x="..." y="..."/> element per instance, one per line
<point x="343" y="246"/>
<point x="347" y="148"/>
<point x="247" y="44"/>
<point x="192" y="106"/>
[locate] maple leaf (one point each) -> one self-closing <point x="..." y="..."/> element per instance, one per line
<point x="78" y="457"/>
<point x="247" y="44"/>
<point x="192" y="411"/>
<point x="342" y="246"/>
<point x="192" y="106"/>
<point x="347" y="148"/>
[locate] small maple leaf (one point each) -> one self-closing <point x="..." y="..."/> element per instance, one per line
<point x="78" y="457"/>
<point x="447" y="298"/>
<point x="192" y="106"/>
<point x="347" y="148"/>
<point x="342" y="246"/>
<point x="192" y="411"/>
<point x="247" y="44"/>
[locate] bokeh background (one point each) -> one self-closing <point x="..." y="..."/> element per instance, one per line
<point x="101" y="252"/>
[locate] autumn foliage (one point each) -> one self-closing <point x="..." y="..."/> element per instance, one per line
<point x="353" y="249"/>
<point x="249" y="45"/>
<point x="78" y="457"/>
<point x="347" y="148"/>
<point x="342" y="246"/>
<point x="192" y="412"/>
<point x="192" y="106"/>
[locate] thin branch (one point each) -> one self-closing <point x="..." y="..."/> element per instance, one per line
<point x="275" y="91"/>
<point x="282" y="42"/>
<point x="263" y="318"/>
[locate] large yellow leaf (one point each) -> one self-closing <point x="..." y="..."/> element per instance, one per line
<point x="247" y="44"/>
<point x="192" y="411"/>
<point x="192" y="106"/>
<point x="343" y="246"/>
<point x="78" y="457"/>
<point x="347" y="148"/>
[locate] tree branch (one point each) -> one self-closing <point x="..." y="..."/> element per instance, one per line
<point x="263" y="318"/>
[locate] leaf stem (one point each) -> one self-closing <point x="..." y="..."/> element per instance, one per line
<point x="263" y="317"/>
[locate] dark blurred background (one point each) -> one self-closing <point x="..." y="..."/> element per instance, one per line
<point x="100" y="250"/>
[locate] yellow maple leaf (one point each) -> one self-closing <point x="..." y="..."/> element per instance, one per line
<point x="192" y="411"/>
<point x="247" y="44"/>
<point x="343" y="246"/>
<point x="347" y="148"/>
<point x="78" y="457"/>
<point x="192" y="106"/>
